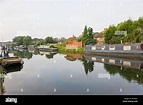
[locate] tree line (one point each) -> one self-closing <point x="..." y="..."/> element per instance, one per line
<point x="27" y="40"/>
<point x="129" y="31"/>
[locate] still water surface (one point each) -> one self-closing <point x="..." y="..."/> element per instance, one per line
<point x="69" y="74"/>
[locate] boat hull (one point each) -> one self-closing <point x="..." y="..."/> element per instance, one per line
<point x="11" y="61"/>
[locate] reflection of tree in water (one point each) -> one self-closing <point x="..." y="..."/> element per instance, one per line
<point x="36" y="52"/>
<point x="23" y="54"/>
<point x="4" y="71"/>
<point x="50" y="55"/>
<point x="2" y="88"/>
<point x="88" y="66"/>
<point x="128" y="73"/>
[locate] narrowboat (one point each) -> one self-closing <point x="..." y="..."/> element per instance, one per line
<point x="47" y="49"/>
<point x="134" y="50"/>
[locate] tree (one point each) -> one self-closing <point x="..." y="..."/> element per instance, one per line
<point x="49" y="40"/>
<point x="87" y="37"/>
<point x="18" y="40"/>
<point x="134" y="30"/>
<point x="27" y="40"/>
<point x="140" y="22"/>
<point x="109" y="33"/>
<point x="41" y="42"/>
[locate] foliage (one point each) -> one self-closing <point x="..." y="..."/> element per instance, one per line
<point x="50" y="40"/>
<point x="133" y="28"/>
<point x="129" y="74"/>
<point x="27" y="40"/>
<point x="87" y="37"/>
<point x="22" y="40"/>
<point x="40" y="43"/>
<point x="18" y="40"/>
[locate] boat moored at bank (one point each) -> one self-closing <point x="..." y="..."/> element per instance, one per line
<point x="134" y="50"/>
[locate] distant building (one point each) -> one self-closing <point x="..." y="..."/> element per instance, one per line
<point x="99" y="37"/>
<point x="73" y="45"/>
<point x="8" y="44"/>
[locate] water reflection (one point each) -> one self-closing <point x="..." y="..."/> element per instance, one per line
<point x="23" y="54"/>
<point x="50" y="55"/>
<point x="73" y="57"/>
<point x="131" y="70"/>
<point x="2" y="88"/>
<point x="4" y="72"/>
<point x="88" y="65"/>
<point x="29" y="53"/>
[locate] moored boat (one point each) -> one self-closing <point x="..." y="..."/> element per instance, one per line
<point x="11" y="61"/>
<point x="134" y="50"/>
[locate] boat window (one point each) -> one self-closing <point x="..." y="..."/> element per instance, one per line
<point x="111" y="47"/>
<point x="93" y="48"/>
<point x="126" y="63"/>
<point x="126" y="47"/>
<point x="111" y="61"/>
<point x="103" y="47"/>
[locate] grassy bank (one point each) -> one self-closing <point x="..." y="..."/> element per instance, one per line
<point x="62" y="49"/>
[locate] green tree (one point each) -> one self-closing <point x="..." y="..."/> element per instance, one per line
<point x="27" y="40"/>
<point x="140" y="22"/>
<point x="49" y="40"/>
<point x="87" y="37"/>
<point x="18" y="40"/>
<point x="41" y="42"/>
<point x="132" y="28"/>
<point x="109" y="33"/>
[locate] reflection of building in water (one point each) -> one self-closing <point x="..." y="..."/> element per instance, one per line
<point x="131" y="70"/>
<point x="73" y="57"/>
<point x="137" y="64"/>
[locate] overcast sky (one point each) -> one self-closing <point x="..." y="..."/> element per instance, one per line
<point x="63" y="18"/>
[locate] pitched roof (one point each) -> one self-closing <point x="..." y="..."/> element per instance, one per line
<point x="99" y="35"/>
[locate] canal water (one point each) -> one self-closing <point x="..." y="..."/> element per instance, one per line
<point x="72" y="74"/>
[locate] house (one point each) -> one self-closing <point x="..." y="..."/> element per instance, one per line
<point x="73" y="45"/>
<point x="99" y="37"/>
